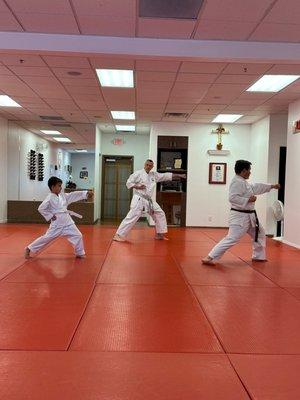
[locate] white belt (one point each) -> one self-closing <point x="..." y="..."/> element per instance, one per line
<point x="150" y="202"/>
<point x="72" y="213"/>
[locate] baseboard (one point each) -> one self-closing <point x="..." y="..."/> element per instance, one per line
<point x="291" y="244"/>
<point x="3" y="221"/>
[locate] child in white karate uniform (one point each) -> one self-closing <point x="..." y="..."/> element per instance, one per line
<point x="54" y="209"/>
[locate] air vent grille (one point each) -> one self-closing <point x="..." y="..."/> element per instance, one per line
<point x="178" y="9"/>
<point x="176" y="115"/>
<point x="51" y="118"/>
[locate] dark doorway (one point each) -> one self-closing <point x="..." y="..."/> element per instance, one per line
<point x="281" y="180"/>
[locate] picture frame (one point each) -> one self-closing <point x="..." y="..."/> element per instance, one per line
<point x="217" y="173"/>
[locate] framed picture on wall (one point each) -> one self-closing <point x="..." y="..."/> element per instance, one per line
<point x="217" y="173"/>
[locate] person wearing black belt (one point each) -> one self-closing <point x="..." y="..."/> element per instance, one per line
<point x="243" y="217"/>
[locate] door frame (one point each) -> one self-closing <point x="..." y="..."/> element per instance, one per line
<point x="117" y="157"/>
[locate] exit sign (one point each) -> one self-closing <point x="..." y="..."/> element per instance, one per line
<point x="297" y="126"/>
<point x="118" y="142"/>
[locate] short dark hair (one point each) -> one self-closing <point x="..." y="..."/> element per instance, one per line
<point x="150" y="161"/>
<point x="53" y="181"/>
<point x="240" y="165"/>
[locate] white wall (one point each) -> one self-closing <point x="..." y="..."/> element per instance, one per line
<point x="134" y="145"/>
<point x="292" y="184"/>
<point x="205" y="200"/>
<point x="277" y="139"/>
<point x="3" y="169"/>
<point x="259" y="154"/>
<point x="79" y="161"/>
<point x="20" y="142"/>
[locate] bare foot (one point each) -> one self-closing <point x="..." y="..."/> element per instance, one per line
<point x="161" y="236"/>
<point x="208" y="261"/>
<point x="27" y="253"/>
<point x="118" y="238"/>
<point x="80" y="256"/>
<point x="259" y="259"/>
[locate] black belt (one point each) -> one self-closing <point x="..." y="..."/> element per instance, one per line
<point x="256" y="219"/>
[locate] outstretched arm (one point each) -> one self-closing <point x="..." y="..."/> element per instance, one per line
<point x="168" y="176"/>
<point x="76" y="196"/>
<point x="261" y="188"/>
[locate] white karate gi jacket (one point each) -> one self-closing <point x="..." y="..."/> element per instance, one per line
<point x="240" y="190"/>
<point x="54" y="205"/>
<point x="149" y="180"/>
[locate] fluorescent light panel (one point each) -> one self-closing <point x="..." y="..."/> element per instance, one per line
<point x="49" y="132"/>
<point x="6" y="101"/>
<point x="227" y="118"/>
<point x="115" y="78"/>
<point x="123" y="114"/>
<point x="130" y="128"/>
<point x="62" y="139"/>
<point x="81" y="151"/>
<point x="272" y="83"/>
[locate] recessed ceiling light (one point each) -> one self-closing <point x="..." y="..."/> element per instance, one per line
<point x="127" y="128"/>
<point x="62" y="139"/>
<point x="81" y="151"/>
<point x="115" y="78"/>
<point x="49" y="132"/>
<point x="123" y="114"/>
<point x="6" y="101"/>
<point x="272" y="83"/>
<point x="227" y="118"/>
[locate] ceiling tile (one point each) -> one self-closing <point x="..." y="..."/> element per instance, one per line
<point x="194" y="90"/>
<point x="246" y="69"/>
<point x="82" y="89"/>
<point x="235" y="10"/>
<point x="49" y="23"/>
<point x="91" y="82"/>
<point x="151" y="106"/>
<point x="271" y="32"/>
<point x="102" y="25"/>
<point x="182" y="108"/>
<point x="157" y="65"/>
<point x="106" y="8"/>
<point x="86" y="73"/>
<point x="152" y="96"/>
<point x="67" y="62"/>
<point x="155" y="76"/>
<point x="119" y="97"/>
<point x="40" y="6"/>
<point x="183" y="100"/>
<point x="22" y="59"/>
<point x="292" y="69"/>
<point x="165" y="28"/>
<point x="154" y="85"/>
<point x="5" y="71"/>
<point x="197" y="78"/>
<point x="9" y="23"/>
<point x="209" y="107"/>
<point x="202" y="67"/>
<point x="31" y="71"/>
<point x="223" y="30"/>
<point x="112" y="62"/>
<point x="284" y="12"/>
<point x="246" y="79"/>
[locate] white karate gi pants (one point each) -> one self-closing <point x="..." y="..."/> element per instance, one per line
<point x="70" y="231"/>
<point x="135" y="213"/>
<point x="234" y="235"/>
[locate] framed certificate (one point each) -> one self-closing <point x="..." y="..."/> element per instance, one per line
<point x="217" y="173"/>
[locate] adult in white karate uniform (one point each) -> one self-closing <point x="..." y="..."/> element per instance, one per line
<point x="54" y="209"/>
<point x="243" y="218"/>
<point x="143" y="183"/>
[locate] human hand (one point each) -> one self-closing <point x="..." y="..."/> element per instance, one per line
<point x="90" y="194"/>
<point x="276" y="186"/>
<point x="252" y="199"/>
<point x="53" y="218"/>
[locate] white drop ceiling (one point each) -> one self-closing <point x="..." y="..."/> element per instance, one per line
<point x="40" y="82"/>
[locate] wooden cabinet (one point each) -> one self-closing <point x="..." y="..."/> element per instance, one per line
<point x="173" y="202"/>
<point x="172" y="142"/>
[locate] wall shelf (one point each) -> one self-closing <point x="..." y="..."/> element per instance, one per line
<point x="218" y="152"/>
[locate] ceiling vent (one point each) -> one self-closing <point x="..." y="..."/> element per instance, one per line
<point x="51" y="118"/>
<point x="178" y="9"/>
<point x="61" y="125"/>
<point x="176" y="115"/>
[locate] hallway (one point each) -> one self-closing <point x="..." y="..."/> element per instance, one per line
<point x="145" y="320"/>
